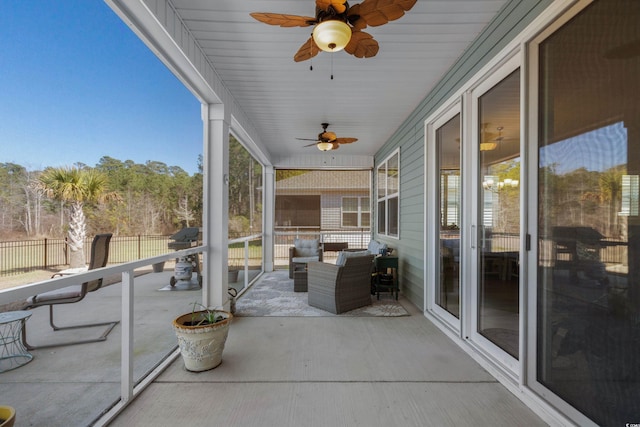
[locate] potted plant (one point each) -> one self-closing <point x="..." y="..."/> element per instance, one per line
<point x="201" y="337"/>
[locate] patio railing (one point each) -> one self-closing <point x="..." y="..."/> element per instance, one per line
<point x="18" y="257"/>
<point x="137" y="368"/>
<point x="245" y="261"/>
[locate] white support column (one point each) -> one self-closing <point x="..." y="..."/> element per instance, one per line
<point x="126" y="350"/>
<point x="268" y="213"/>
<point x="216" y="207"/>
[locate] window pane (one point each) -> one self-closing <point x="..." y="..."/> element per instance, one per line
<point x="393" y="216"/>
<point x="350" y="204"/>
<point x="589" y="244"/>
<point x="382" y="219"/>
<point x="392" y="173"/>
<point x="382" y="181"/>
<point x="350" y="220"/>
<point x="365" y="204"/>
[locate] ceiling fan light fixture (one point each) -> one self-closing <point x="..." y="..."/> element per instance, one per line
<point x="488" y="146"/>
<point x="324" y="146"/>
<point x="332" y="35"/>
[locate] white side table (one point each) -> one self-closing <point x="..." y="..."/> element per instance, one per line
<point x="13" y="353"/>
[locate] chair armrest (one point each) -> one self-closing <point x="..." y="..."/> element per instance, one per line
<point x="70" y="271"/>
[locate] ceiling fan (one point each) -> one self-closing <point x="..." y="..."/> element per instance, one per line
<point x="328" y="140"/>
<point x="491" y="140"/>
<point x="338" y="26"/>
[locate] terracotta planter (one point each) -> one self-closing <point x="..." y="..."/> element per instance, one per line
<point x="233" y="276"/>
<point x="158" y="267"/>
<point x="7" y="416"/>
<point x="201" y="346"/>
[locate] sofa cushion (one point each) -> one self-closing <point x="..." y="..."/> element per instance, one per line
<point x="307" y="247"/>
<point x="305" y="259"/>
<point x="68" y="293"/>
<point x="342" y="256"/>
<point x="374" y="247"/>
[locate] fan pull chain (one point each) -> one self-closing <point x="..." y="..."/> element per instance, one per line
<point x="311" y="50"/>
<point x="331" y="65"/>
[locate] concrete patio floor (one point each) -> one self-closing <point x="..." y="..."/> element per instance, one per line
<point x="276" y="371"/>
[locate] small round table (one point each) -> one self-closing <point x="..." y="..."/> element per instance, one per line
<point x="13" y="353"/>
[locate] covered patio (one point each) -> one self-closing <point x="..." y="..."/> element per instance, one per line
<point x="286" y="371"/>
<point x="454" y="117"/>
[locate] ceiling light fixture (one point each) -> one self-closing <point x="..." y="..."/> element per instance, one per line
<point x="332" y="35"/>
<point x="488" y="146"/>
<point x="324" y="146"/>
<point x="492" y="145"/>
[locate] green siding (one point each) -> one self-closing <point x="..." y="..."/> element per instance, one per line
<point x="508" y="23"/>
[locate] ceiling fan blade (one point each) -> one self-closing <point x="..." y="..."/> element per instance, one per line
<point x="353" y="16"/>
<point x="284" y="20"/>
<point x="338" y="5"/>
<point x="307" y="51"/>
<point x="328" y="136"/>
<point x="345" y="140"/>
<point x="335" y="146"/>
<point x="379" y="12"/>
<point x="362" y="45"/>
<point x="307" y="139"/>
<point x="310" y="145"/>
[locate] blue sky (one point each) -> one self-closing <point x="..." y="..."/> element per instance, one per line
<point x="596" y="150"/>
<point x="76" y="84"/>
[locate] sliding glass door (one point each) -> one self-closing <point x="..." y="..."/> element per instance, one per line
<point x="588" y="146"/>
<point x="494" y="278"/>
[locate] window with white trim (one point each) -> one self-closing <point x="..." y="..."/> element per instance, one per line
<point x="356" y="212"/>
<point x="388" y="179"/>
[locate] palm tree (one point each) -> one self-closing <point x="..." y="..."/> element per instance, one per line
<point x="76" y="187"/>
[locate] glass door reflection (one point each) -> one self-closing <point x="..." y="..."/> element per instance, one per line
<point x="498" y="187"/>
<point x="449" y="202"/>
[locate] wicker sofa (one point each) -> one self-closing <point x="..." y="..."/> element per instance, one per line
<point x="340" y="288"/>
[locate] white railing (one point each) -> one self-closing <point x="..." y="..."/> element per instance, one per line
<point x="357" y="238"/>
<point x="128" y="388"/>
<point x="248" y="259"/>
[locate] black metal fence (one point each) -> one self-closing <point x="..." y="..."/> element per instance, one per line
<point x="18" y="257"/>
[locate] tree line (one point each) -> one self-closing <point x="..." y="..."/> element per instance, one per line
<point x="132" y="198"/>
<point x="149" y="198"/>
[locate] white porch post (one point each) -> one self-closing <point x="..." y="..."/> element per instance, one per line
<point x="216" y="120"/>
<point x="269" y="217"/>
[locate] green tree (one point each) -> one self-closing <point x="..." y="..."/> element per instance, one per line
<point x="13" y="178"/>
<point x="75" y="186"/>
<point x="245" y="180"/>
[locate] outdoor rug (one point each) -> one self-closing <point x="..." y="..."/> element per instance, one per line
<point x="273" y="296"/>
